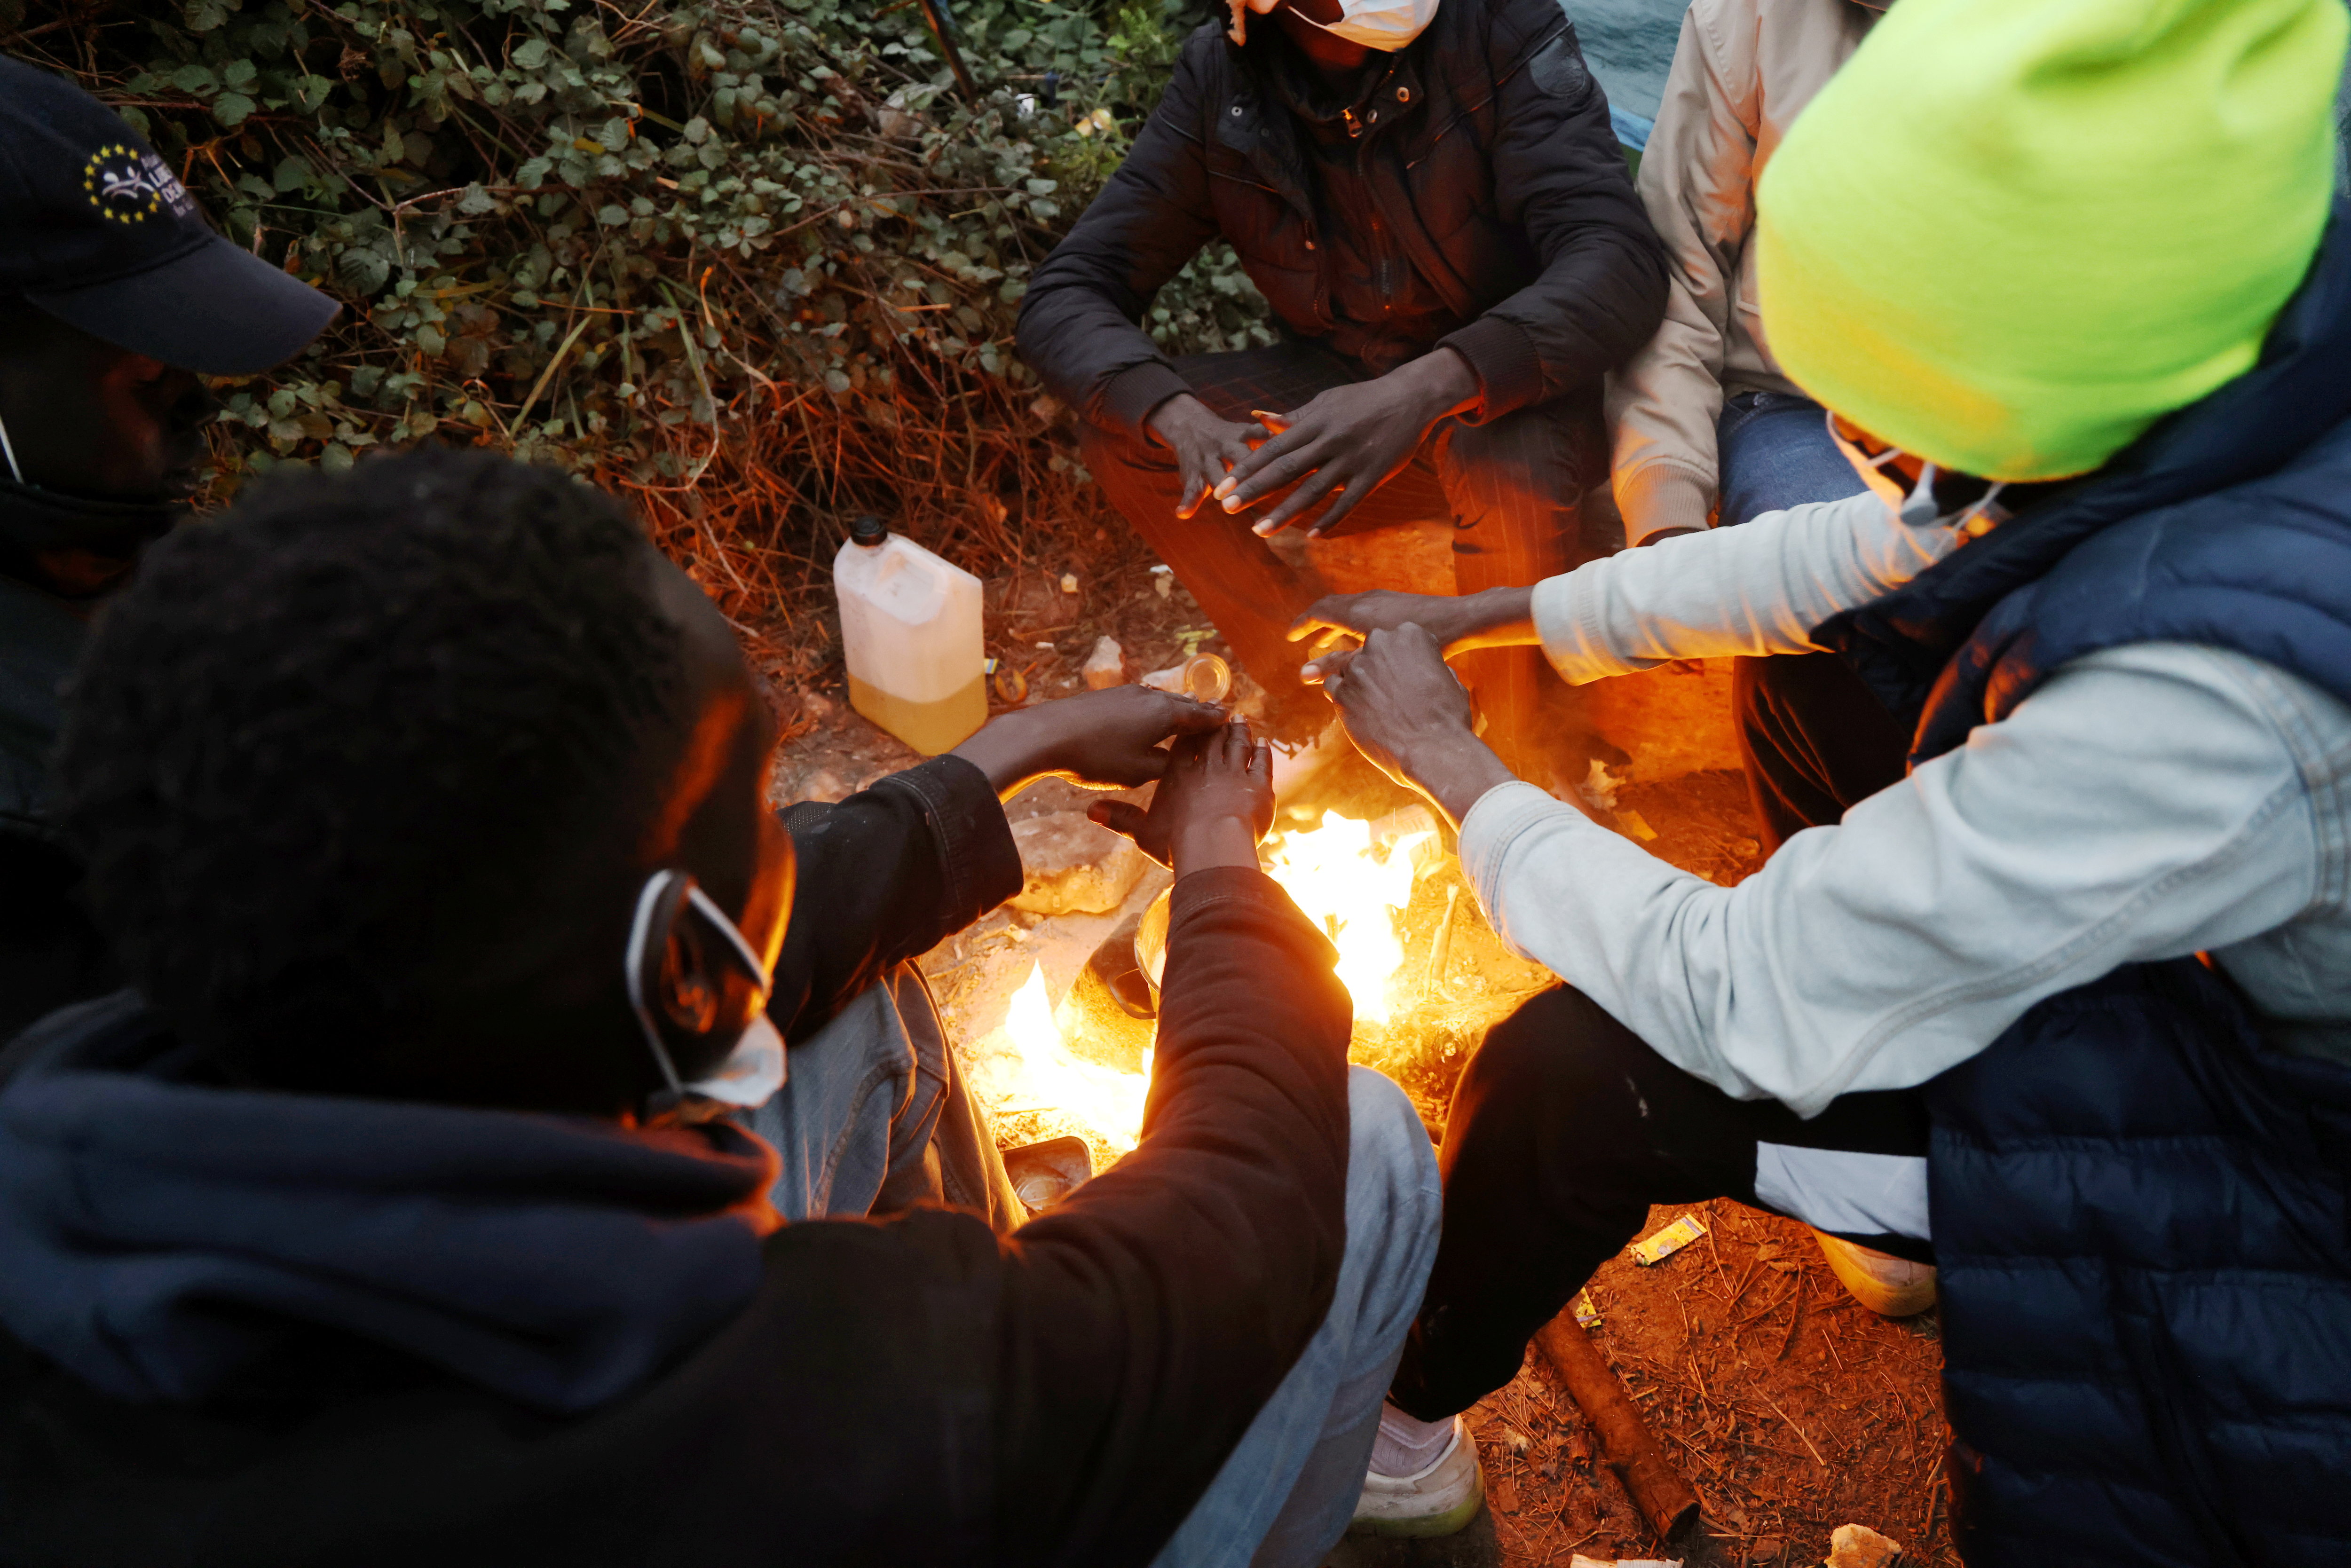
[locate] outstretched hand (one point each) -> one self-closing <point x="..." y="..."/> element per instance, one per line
<point x="1496" y="618"/>
<point x="1104" y="740"/>
<point x="1410" y="716"/>
<point x="1213" y="807"/>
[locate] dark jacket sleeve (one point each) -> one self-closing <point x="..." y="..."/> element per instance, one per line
<point x="1560" y="174"/>
<point x="1064" y="1396"/>
<point x="886" y="875"/>
<point x="1147" y="1318"/>
<point x="51" y="954"/>
<point x="910" y="1391"/>
<point x="1079" y="321"/>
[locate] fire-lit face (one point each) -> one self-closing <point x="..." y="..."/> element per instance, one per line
<point x="714" y="822"/>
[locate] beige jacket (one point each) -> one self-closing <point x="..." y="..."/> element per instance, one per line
<point x="1742" y="71"/>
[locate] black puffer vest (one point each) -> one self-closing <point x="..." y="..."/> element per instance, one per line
<point x="2142" y="1213"/>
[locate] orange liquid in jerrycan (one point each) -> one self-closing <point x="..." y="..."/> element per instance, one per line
<point x="910" y="633"/>
<point x="930" y="727"/>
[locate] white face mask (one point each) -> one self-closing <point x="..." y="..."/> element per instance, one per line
<point x="751" y="1073"/>
<point x="1383" y="24"/>
<point x="754" y="1067"/>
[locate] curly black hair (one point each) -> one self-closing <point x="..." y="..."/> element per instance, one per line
<point x="326" y="742"/>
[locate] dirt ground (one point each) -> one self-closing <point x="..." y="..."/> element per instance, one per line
<point x="1791" y="1409"/>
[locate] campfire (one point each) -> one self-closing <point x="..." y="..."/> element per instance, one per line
<point x="1032" y="1067"/>
<point x="1352" y="878"/>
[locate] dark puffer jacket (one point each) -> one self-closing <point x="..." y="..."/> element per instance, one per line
<point x="1487" y="147"/>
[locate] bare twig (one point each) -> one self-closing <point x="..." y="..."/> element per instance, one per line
<point x="554" y="364"/>
<point x="1794" y="1318"/>
<point x="1799" y="1431"/>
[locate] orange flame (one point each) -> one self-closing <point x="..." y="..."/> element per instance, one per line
<point x="1347" y="880"/>
<point x="1033" y="1069"/>
<point x="1338" y="877"/>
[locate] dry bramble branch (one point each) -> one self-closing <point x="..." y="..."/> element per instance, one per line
<point x="754" y="263"/>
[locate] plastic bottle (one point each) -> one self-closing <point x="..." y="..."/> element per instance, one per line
<point x="910" y="632"/>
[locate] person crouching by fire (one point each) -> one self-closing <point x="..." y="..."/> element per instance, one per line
<point x="2067" y="1008"/>
<point x="521" y="1146"/>
<point x="1432" y="201"/>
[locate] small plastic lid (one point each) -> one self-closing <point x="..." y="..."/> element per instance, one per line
<point x="869" y="532"/>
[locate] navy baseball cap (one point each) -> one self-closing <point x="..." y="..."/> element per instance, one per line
<point x="97" y="231"/>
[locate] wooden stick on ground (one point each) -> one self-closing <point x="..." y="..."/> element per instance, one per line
<point x="1665" y="1499"/>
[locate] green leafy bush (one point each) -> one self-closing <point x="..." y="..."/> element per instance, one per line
<point x="755" y="261"/>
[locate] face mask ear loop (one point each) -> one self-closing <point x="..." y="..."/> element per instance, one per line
<point x="1982" y="508"/>
<point x="1854" y="453"/>
<point x="640" y="930"/>
<point x="1918" y="510"/>
<point x="733" y="934"/>
<point x="9" y="448"/>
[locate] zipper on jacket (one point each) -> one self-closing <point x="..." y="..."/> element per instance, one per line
<point x="1384" y="260"/>
<point x="1382" y="253"/>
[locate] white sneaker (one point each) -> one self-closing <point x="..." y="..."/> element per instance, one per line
<point x="1889" y="1286"/>
<point x="1435" y="1501"/>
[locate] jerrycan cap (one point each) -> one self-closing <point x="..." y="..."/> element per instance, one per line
<point x="869" y="532"/>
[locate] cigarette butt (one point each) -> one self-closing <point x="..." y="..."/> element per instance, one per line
<point x="1636" y="824"/>
<point x="1654" y="1249"/>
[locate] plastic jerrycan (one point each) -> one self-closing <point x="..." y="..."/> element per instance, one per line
<point x="910" y="632"/>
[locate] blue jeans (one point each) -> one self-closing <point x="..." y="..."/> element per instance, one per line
<point x="1286" y="1493"/>
<point x="1774" y="452"/>
<point x="874" y="1116"/>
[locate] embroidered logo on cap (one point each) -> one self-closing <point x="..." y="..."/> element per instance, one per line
<point x="131" y="186"/>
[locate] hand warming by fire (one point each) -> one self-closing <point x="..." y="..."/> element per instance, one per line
<point x="1352" y="879"/>
<point x="472" y="1063"/>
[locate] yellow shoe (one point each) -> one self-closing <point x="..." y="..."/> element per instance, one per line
<point x="1889" y="1286"/>
<point x="1436" y="1500"/>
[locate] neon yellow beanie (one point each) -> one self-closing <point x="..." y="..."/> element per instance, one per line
<point x="2010" y="234"/>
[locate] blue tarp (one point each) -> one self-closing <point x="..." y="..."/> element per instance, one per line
<point x="1629" y="43"/>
